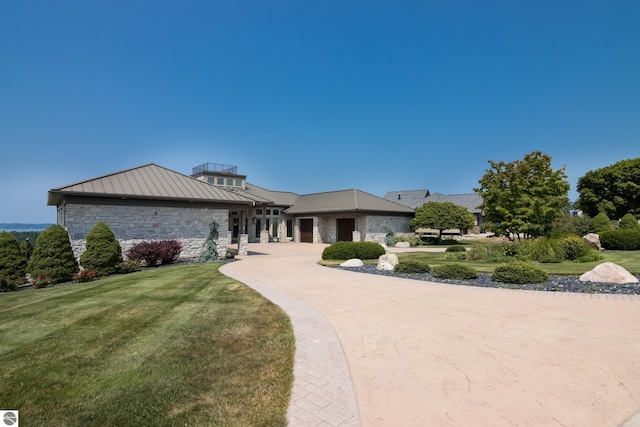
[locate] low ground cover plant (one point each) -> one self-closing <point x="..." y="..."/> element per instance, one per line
<point x="519" y="273"/>
<point x="349" y="250"/>
<point x="455" y="271"/>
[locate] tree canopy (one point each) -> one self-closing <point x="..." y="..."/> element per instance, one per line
<point x="523" y="197"/>
<point x="442" y="216"/>
<point x="614" y="190"/>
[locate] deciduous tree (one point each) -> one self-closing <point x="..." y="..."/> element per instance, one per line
<point x="523" y="197"/>
<point x="614" y="190"/>
<point x="442" y="216"/>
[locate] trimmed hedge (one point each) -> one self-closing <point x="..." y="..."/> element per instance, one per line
<point x="622" y="240"/>
<point x="454" y="272"/>
<point x="519" y="273"/>
<point x="412" y="266"/>
<point x="456" y="248"/>
<point x="349" y="250"/>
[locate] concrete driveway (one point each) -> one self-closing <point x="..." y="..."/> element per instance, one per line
<point x="429" y="354"/>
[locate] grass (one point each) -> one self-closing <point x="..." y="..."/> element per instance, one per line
<point x="630" y="260"/>
<point x="171" y="346"/>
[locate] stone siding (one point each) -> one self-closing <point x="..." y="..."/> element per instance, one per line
<point x="375" y="231"/>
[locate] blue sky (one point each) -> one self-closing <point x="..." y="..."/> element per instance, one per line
<point x="312" y="95"/>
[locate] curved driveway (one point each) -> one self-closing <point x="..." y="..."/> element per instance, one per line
<point x="429" y="354"/>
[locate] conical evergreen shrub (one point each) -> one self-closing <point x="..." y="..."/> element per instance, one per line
<point x="629" y="222"/>
<point x="52" y="256"/>
<point x="13" y="262"/>
<point x="103" y="252"/>
<point x="601" y="223"/>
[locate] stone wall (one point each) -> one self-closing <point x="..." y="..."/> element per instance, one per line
<point x="375" y="227"/>
<point x="132" y="224"/>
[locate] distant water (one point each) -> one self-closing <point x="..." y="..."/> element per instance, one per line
<point x="22" y="227"/>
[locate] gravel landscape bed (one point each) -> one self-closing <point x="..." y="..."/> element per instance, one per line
<point x="554" y="284"/>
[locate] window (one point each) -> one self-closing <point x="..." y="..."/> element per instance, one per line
<point x="211" y="180"/>
<point x="289" y="228"/>
<point x="258" y="228"/>
<point x="258" y="211"/>
<point x="238" y="183"/>
<point x="230" y="182"/>
<point x="268" y="211"/>
<point x="220" y="181"/>
<point x="276" y="212"/>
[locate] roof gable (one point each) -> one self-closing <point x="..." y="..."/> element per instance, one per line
<point x="345" y="201"/>
<point x="148" y="182"/>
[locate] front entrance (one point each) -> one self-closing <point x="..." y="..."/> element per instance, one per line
<point x="346" y="227"/>
<point x="306" y="230"/>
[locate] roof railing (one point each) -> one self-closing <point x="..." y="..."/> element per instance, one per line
<point x="215" y="167"/>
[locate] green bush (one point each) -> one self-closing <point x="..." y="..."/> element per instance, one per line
<point x="592" y="256"/>
<point x="52" y="257"/>
<point x="13" y="262"/>
<point x="573" y="247"/>
<point x="155" y="252"/>
<point x="601" y="223"/>
<point x="454" y="272"/>
<point x="456" y="248"/>
<point x="456" y="255"/>
<point x="519" y="273"/>
<point x="478" y="253"/>
<point x="103" y="252"/>
<point x="629" y="222"/>
<point x="520" y="250"/>
<point x="622" y="240"/>
<point x="128" y="266"/>
<point x="412" y="266"/>
<point x="573" y="224"/>
<point x="549" y="259"/>
<point x="544" y="247"/>
<point x="349" y="250"/>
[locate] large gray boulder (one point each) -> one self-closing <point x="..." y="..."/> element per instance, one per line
<point x="608" y="272"/>
<point x="389" y="257"/>
<point x="384" y="266"/>
<point x="593" y="240"/>
<point x="352" y="263"/>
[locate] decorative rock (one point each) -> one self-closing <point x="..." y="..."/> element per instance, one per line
<point x="403" y="245"/>
<point x="384" y="266"/>
<point x="608" y="272"/>
<point x="593" y="240"/>
<point x="352" y="263"/>
<point x="390" y="258"/>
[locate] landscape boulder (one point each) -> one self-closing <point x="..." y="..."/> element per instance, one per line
<point x="608" y="272"/>
<point x="384" y="266"/>
<point x="352" y="263"/>
<point x="593" y="240"/>
<point x="403" y="245"/>
<point x="389" y="257"/>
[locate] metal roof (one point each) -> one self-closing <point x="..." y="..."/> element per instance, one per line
<point x="148" y="182"/>
<point x="345" y="201"/>
<point x="417" y="198"/>
<point x="282" y="198"/>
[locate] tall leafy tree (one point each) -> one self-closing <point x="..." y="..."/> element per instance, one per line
<point x="442" y="216"/>
<point x="523" y="197"/>
<point x="614" y="190"/>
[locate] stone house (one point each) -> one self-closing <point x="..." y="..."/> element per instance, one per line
<point x="151" y="202"/>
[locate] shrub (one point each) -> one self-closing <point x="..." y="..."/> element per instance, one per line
<point x="601" y="223"/>
<point x="544" y="247"/>
<point x="629" y="222"/>
<point x="573" y="247"/>
<point x="519" y="273"/>
<point x="623" y="240"/>
<point x="13" y="262"/>
<point x="127" y="266"/>
<point x="156" y="252"/>
<point x="210" y="252"/>
<point x="592" y="256"/>
<point x="520" y="250"/>
<point x="103" y="252"/>
<point x="52" y="256"/>
<point x="456" y="255"/>
<point x="412" y="266"/>
<point x="454" y="272"/>
<point x="573" y="224"/>
<point x="42" y="281"/>
<point x="85" y="276"/>
<point x="478" y="253"/>
<point x="549" y="259"/>
<point x="349" y="250"/>
<point x="456" y="248"/>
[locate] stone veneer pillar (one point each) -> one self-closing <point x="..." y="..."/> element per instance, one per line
<point x="357" y="236"/>
<point x="243" y="244"/>
<point x="264" y="236"/>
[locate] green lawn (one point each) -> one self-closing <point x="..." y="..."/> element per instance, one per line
<point x="630" y="260"/>
<point x="169" y="346"/>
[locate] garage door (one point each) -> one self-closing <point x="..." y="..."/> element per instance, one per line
<point x="306" y="230"/>
<point x="346" y="227"/>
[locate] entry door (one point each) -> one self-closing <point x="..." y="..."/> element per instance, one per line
<point x="346" y="227"/>
<point x="306" y="230"/>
